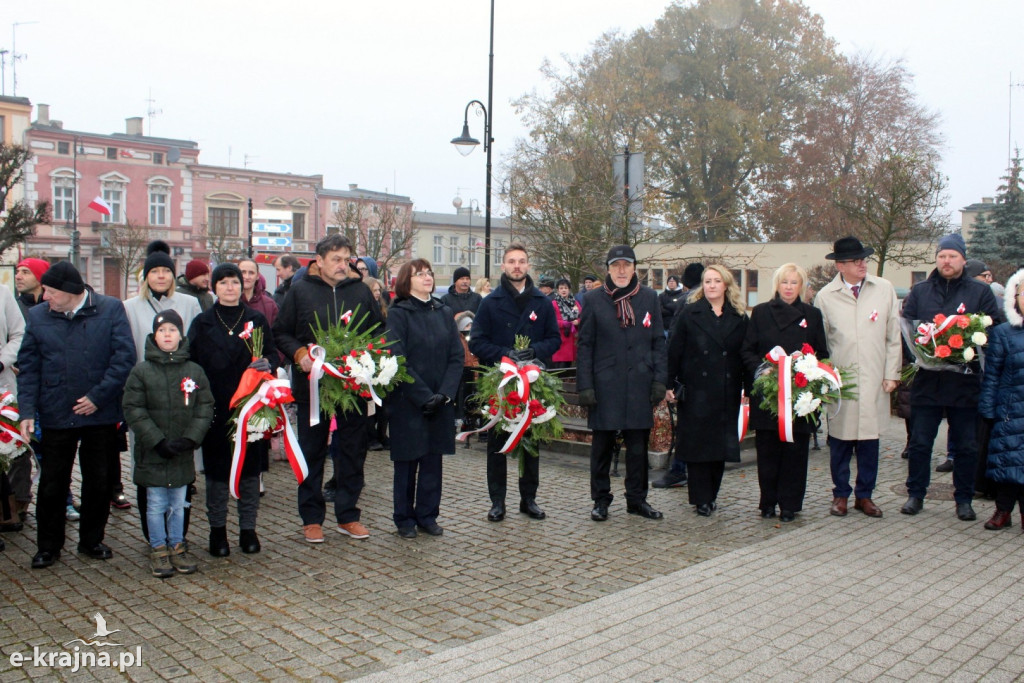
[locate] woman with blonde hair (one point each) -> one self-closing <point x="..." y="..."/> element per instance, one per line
<point x="706" y="371"/>
<point x="788" y="322"/>
<point x="483" y="287"/>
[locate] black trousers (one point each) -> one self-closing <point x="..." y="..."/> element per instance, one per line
<point x="705" y="480"/>
<point x="1007" y="495"/>
<point x="497" y="470"/>
<point x="782" y="470"/>
<point x="348" y="452"/>
<point x="93" y="445"/>
<point x="602" y="446"/>
<point x="417" y="491"/>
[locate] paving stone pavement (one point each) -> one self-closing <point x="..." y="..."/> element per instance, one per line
<point x="728" y="597"/>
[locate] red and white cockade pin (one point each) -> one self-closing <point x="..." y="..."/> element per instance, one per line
<point x="961" y="308"/>
<point x="533" y="316"/>
<point x="874" y="316"/>
<point x="803" y="323"/>
<point x="346" y="317"/>
<point x="188" y="385"/>
<point x="246" y="331"/>
<point x="647" y="319"/>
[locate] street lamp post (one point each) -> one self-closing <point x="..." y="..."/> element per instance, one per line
<point x="465" y="144"/>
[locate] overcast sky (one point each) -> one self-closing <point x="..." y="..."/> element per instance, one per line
<point x="372" y="92"/>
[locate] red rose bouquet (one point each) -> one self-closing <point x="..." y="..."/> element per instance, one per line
<point x="12" y="444"/>
<point x="946" y="342"/>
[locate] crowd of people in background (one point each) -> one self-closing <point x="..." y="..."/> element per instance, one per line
<point x="95" y="376"/>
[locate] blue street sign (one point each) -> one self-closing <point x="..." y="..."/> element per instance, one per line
<point x="271" y="241"/>
<point x="272" y="227"/>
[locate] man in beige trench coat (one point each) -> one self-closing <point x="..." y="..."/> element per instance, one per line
<point x="862" y="324"/>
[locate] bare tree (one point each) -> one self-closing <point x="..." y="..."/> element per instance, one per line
<point x="221" y="242"/>
<point x="127" y="244"/>
<point x="381" y="229"/>
<point x="22" y="218"/>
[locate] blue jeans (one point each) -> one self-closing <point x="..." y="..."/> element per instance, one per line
<point x="963" y="424"/>
<point x="165" y="515"/>
<point x="841" y="452"/>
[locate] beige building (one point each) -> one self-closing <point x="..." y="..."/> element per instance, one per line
<point x="449" y="241"/>
<point x="753" y="264"/>
<point x="969" y="215"/>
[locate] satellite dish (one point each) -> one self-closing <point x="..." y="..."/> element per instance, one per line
<point x="173" y="155"/>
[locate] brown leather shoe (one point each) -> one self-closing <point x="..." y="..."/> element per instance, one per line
<point x="838" y="507"/>
<point x="867" y="507"/>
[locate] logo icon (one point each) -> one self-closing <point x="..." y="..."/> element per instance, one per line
<point x="101" y="632"/>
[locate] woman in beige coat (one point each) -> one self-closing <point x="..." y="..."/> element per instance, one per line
<point x="862" y="324"/>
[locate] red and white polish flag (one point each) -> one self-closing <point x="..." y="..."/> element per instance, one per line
<point x="101" y="206"/>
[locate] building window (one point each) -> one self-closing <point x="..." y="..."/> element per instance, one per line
<point x="63" y="198"/>
<point x="353" y="237"/>
<point x="112" y="153"/>
<point x="158" y="158"/>
<point x="113" y="195"/>
<point x="373" y="242"/>
<point x="472" y="252"/>
<point x="222" y="222"/>
<point x="438" y="250"/>
<point x="453" y="250"/>
<point x="298" y="226"/>
<point x="158" y="201"/>
<point x="396" y="242"/>
<point x="751" y="285"/>
<point x="63" y="148"/>
<point x="659" y="278"/>
<point x="498" y="249"/>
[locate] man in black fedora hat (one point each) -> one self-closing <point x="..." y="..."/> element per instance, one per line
<point x="862" y="324"/>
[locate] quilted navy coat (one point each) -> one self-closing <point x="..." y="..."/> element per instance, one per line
<point x="1002" y="392"/>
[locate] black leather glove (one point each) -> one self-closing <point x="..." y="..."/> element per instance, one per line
<point x="164" y="450"/>
<point x="434" y="404"/>
<point x="657" y="392"/>
<point x="588" y="398"/>
<point x="262" y="365"/>
<point x="181" y="445"/>
<point x="522" y="355"/>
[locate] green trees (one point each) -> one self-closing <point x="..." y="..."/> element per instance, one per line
<point x="22" y="218"/>
<point x="998" y="239"/>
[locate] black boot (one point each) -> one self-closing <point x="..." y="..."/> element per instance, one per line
<point x="248" y="540"/>
<point x="219" y="541"/>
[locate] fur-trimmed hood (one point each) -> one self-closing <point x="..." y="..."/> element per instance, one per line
<point x="1010" y="299"/>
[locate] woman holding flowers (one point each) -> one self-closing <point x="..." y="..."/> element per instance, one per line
<point x="1002" y="405"/>
<point x="705" y="366"/>
<point x="787" y="322"/>
<point x="422" y="413"/>
<point x="216" y="346"/>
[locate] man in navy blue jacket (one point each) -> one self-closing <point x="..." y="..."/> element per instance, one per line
<point x="514" y="308"/>
<point x="74" y="361"/>
<point x="936" y="393"/>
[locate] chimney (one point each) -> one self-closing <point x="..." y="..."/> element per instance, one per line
<point x="988" y="200"/>
<point x="133" y="125"/>
<point x="353" y="186"/>
<point x="43" y="114"/>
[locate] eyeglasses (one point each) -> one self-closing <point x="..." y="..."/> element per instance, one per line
<point x="425" y="273"/>
<point x="856" y="261"/>
<point x="364" y="269"/>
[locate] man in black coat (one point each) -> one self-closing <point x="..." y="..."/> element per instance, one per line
<point x="934" y="393"/>
<point x="461" y="296"/>
<point x="325" y="293"/>
<point x="514" y="308"/>
<point x="621" y="372"/>
<point x="286" y="266"/>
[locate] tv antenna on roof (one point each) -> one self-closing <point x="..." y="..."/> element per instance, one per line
<point x="151" y="110"/>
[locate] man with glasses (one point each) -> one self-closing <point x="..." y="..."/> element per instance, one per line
<point x="862" y="324"/>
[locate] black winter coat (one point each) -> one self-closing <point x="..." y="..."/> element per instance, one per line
<point x="704" y="359"/>
<point x="939" y="295"/>
<point x="425" y="333"/>
<point x="61" y="360"/>
<point x="309" y="299"/>
<point x="672" y="302"/>
<point x="499" y="320"/>
<point x="620" y="363"/>
<point x="470" y="301"/>
<point x="776" y="323"/>
<point x="224" y="357"/>
<point x="154" y="408"/>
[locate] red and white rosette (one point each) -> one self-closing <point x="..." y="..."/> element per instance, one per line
<point x="273" y="393"/>
<point x="778" y="356"/>
<point x="522" y="377"/>
<point x="188" y="386"/>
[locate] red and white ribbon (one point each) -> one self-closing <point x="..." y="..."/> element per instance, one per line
<point x="647" y="319"/>
<point x="11" y="413"/>
<point x="961" y="308"/>
<point x="929" y="331"/>
<point x="522" y="377"/>
<point x="784" y="361"/>
<point x="743" y="420"/>
<point x="320" y="368"/>
<point x="274" y="394"/>
<point x="873" y="317"/>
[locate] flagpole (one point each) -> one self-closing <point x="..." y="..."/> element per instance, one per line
<point x="75" y="246"/>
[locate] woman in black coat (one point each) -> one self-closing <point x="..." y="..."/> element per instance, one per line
<point x="788" y="322"/>
<point x="706" y="370"/>
<point x="422" y="413"/>
<point x="215" y="345"/>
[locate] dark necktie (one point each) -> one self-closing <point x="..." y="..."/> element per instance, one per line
<point x="856" y="291"/>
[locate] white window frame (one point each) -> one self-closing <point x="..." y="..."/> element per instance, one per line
<point x="438" y="250"/>
<point x="159" y="195"/>
<point x="63" y="181"/>
<point x="453" y="249"/>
